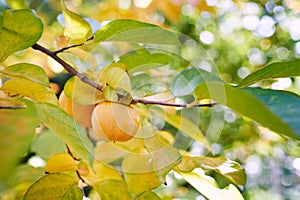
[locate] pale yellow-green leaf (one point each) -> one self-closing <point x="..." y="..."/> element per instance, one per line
<point x="57" y="186"/>
<point x="188" y="127"/>
<point x="60" y="163"/>
<point x="228" y="168"/>
<point x="103" y="72"/>
<point x="27" y="71"/>
<point x="117" y="78"/>
<point x="77" y="29"/>
<point x="110" y="94"/>
<point x="108" y="152"/>
<point x="139" y="173"/>
<point x="112" y="189"/>
<point x="209" y="188"/>
<point x="24" y="87"/>
<point x="102" y="172"/>
<point x="81" y="92"/>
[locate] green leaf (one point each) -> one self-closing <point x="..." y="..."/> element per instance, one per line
<point x="24" y="87"/>
<point x="273" y="70"/>
<point x="228" y="168"/>
<point x="283" y="104"/>
<point x="70" y="131"/>
<point x="136" y="32"/>
<point x="148" y="196"/>
<point x="16" y="4"/>
<point x="17" y="130"/>
<point x="187" y="80"/>
<point x="141" y="60"/>
<point x="112" y="189"/>
<point x="57" y="186"/>
<point x="27" y="71"/>
<point x="188" y="127"/>
<point x="44" y="139"/>
<point x="77" y="29"/>
<point x="209" y="188"/>
<point x="247" y="104"/>
<point x="19" y="29"/>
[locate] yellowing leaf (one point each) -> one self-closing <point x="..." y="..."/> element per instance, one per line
<point x="112" y="189"/>
<point x="117" y="78"/>
<point x="77" y="29"/>
<point x="139" y="173"/>
<point x="19" y="29"/>
<point x="27" y="71"/>
<point x="24" y="87"/>
<point x="230" y="169"/>
<point x="16" y="4"/>
<point x="81" y="92"/>
<point x="102" y="172"/>
<point x="60" y="163"/>
<point x="54" y="186"/>
<point x="188" y="127"/>
<point x="148" y="196"/>
<point x="208" y="187"/>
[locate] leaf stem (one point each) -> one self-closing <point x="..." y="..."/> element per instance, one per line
<point x="76" y="159"/>
<point x="163" y="103"/>
<point x="72" y="46"/>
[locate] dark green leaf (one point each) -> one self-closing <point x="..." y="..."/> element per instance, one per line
<point x="57" y="186"/>
<point x="70" y="131"/>
<point x="187" y="80"/>
<point x="134" y="31"/>
<point x="17" y="130"/>
<point x="247" y="104"/>
<point x="112" y="189"/>
<point x="273" y="70"/>
<point x="27" y="71"/>
<point x="230" y="169"/>
<point x="19" y="29"/>
<point x="283" y="104"/>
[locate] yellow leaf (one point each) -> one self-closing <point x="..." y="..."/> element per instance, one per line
<point x="60" y="163"/>
<point x="77" y="29"/>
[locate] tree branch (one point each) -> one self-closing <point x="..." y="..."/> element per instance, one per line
<point x="67" y="67"/>
<point x="72" y="46"/>
<point x="163" y="103"/>
<point x="83" y="78"/>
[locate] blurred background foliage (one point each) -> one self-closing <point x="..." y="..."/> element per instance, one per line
<point x="239" y="37"/>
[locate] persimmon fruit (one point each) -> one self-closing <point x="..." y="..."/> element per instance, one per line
<point x="115" y="121"/>
<point x="81" y="113"/>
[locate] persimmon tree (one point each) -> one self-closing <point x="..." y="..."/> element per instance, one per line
<point x="114" y="131"/>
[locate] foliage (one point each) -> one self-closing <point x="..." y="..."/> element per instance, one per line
<point x="152" y="69"/>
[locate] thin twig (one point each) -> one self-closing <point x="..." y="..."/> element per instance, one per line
<point x="67" y="67"/>
<point x="163" y="103"/>
<point x="83" y="78"/>
<point x="72" y="46"/>
<point x="76" y="159"/>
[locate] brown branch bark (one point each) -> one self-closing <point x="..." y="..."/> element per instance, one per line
<point x="71" y="70"/>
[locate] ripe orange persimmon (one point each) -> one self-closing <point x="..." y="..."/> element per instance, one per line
<point x="81" y="113"/>
<point x="114" y="121"/>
